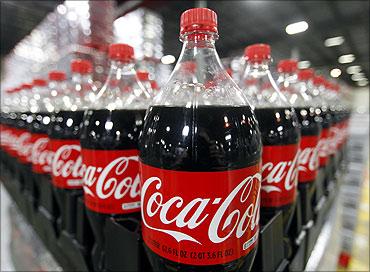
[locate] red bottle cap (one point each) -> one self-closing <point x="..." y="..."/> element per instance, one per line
<point x="336" y="87"/>
<point x="81" y="66"/>
<point x="257" y="52"/>
<point x="318" y="80"/>
<point x="287" y="66"/>
<point x="229" y="71"/>
<point x="121" y="52"/>
<point x="305" y="74"/>
<point x="26" y="86"/>
<point x="143" y="75"/>
<point x="39" y="82"/>
<point x="154" y="85"/>
<point x="198" y="19"/>
<point x="17" y="89"/>
<point x="57" y="75"/>
<point x="328" y="84"/>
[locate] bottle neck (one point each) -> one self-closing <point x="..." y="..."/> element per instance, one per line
<point x="290" y="77"/>
<point x="78" y="78"/>
<point x="199" y="39"/>
<point x="199" y="77"/>
<point x="119" y="69"/>
<point x="257" y="70"/>
<point x="56" y="87"/>
<point x="198" y="61"/>
<point x="259" y="82"/>
<point x="122" y="89"/>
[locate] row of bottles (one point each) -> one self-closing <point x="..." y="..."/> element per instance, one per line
<point x="195" y="165"/>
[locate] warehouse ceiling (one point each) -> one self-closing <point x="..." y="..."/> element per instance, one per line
<point x="240" y="23"/>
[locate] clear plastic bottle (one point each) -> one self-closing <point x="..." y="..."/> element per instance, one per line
<point x="8" y="132"/>
<point x="200" y="143"/>
<point x="111" y="128"/>
<point x="332" y="92"/>
<point x="143" y="76"/>
<point x="320" y="91"/>
<point x="59" y="94"/>
<point x="11" y="110"/>
<point x="23" y="141"/>
<point x="309" y="116"/>
<point x="305" y="86"/>
<point x="82" y="84"/>
<point x="64" y="134"/>
<point x="280" y="135"/>
<point x="41" y="156"/>
<point x="310" y="121"/>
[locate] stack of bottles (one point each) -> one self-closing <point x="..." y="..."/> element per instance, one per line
<point x="199" y="176"/>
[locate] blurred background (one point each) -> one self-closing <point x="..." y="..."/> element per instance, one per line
<point x="330" y="36"/>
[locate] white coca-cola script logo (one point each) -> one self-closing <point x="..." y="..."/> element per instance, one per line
<point x="283" y="171"/>
<point x="114" y="180"/>
<point x="192" y="214"/>
<point x="66" y="163"/>
<point x="41" y="155"/>
<point x="23" y="144"/>
<point x="308" y="159"/>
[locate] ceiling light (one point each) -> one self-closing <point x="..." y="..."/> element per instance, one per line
<point x="62" y="9"/>
<point x="353" y="69"/>
<point x="335" y="72"/>
<point x="168" y="59"/>
<point x="297" y="27"/>
<point x="304" y="64"/>
<point x="334" y="41"/>
<point x="362" y="83"/>
<point x="358" y="77"/>
<point x="346" y="58"/>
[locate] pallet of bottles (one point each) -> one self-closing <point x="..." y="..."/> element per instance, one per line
<point x="125" y="246"/>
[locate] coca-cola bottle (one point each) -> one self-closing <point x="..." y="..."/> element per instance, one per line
<point x="23" y="143"/>
<point x="200" y="153"/>
<point x="64" y="134"/>
<point x="154" y="86"/>
<point x="83" y="87"/>
<point x="41" y="156"/>
<point x="345" y="111"/>
<point x="280" y="135"/>
<point x="143" y="76"/>
<point x="109" y="138"/>
<point x="321" y="93"/>
<point x="16" y="122"/>
<point x="309" y="116"/>
<point x="9" y="112"/>
<point x="305" y="86"/>
<point x="339" y="109"/>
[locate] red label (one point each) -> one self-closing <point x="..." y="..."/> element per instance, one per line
<point x="42" y="156"/>
<point x="324" y="146"/>
<point x="67" y="168"/>
<point x="111" y="181"/>
<point x="279" y="175"/>
<point x="6" y="137"/>
<point x="3" y="137"/>
<point x="11" y="137"/>
<point x="308" y="159"/>
<point x="200" y="218"/>
<point x="23" y="145"/>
